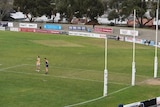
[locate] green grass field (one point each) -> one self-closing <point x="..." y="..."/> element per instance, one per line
<point x="76" y="66"/>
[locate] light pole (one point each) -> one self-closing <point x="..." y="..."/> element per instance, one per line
<point x="156" y="44"/>
<point x="105" y="70"/>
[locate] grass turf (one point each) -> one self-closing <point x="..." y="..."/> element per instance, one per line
<point x="76" y="67"/>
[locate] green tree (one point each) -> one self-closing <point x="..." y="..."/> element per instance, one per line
<point x="69" y="8"/>
<point x="95" y="8"/>
<point x="34" y="7"/>
<point x="80" y="8"/>
<point x="115" y="8"/>
<point x="141" y="8"/>
<point x="5" y="7"/>
<point x="113" y="15"/>
<point x="44" y="7"/>
<point x="124" y="8"/>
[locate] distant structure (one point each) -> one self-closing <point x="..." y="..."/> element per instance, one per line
<point x="23" y="17"/>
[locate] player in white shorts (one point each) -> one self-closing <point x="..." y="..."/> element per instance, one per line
<point x="38" y="63"/>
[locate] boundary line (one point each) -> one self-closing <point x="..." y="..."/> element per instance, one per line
<point x="83" y="79"/>
<point x="98" y="98"/>
<point x="81" y="103"/>
<point x="63" y="77"/>
<point x="13" y="67"/>
<point x="93" y="70"/>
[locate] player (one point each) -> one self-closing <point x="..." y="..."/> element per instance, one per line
<point x="38" y="63"/>
<point x="46" y="63"/>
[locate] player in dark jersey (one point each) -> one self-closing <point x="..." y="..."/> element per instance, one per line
<point x="46" y="64"/>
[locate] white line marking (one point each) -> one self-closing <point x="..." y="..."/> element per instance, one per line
<point x="86" y="102"/>
<point x="12" y="67"/>
<point x="96" y="70"/>
<point x="120" y="90"/>
<point x="65" y="77"/>
<point x="54" y="76"/>
<point x="77" y="78"/>
<point x="92" y="100"/>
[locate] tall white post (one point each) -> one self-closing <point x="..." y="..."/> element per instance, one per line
<point x="156" y="44"/>
<point x="105" y="71"/>
<point x="133" y="63"/>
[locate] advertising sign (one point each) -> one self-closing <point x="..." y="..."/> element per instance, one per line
<point x="47" y="31"/>
<point x="158" y="100"/>
<point x="27" y="25"/>
<point x="103" y="30"/>
<point x="27" y="30"/>
<point x="14" y="29"/>
<point x="10" y="24"/>
<point x="130" y="39"/>
<point x="52" y="27"/>
<point x="136" y="104"/>
<point x="81" y="28"/>
<point x="85" y="34"/>
<point x="3" y="24"/>
<point x="2" y="28"/>
<point x="128" y="32"/>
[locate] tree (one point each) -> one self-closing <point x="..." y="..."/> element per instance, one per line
<point x="124" y="9"/>
<point x="27" y="7"/>
<point x="113" y="15"/>
<point x="80" y="8"/>
<point x="5" y="7"/>
<point x="95" y="7"/>
<point x="44" y="7"/>
<point x="141" y="8"/>
<point x="34" y="7"/>
<point x="114" y="9"/>
<point x="69" y="8"/>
